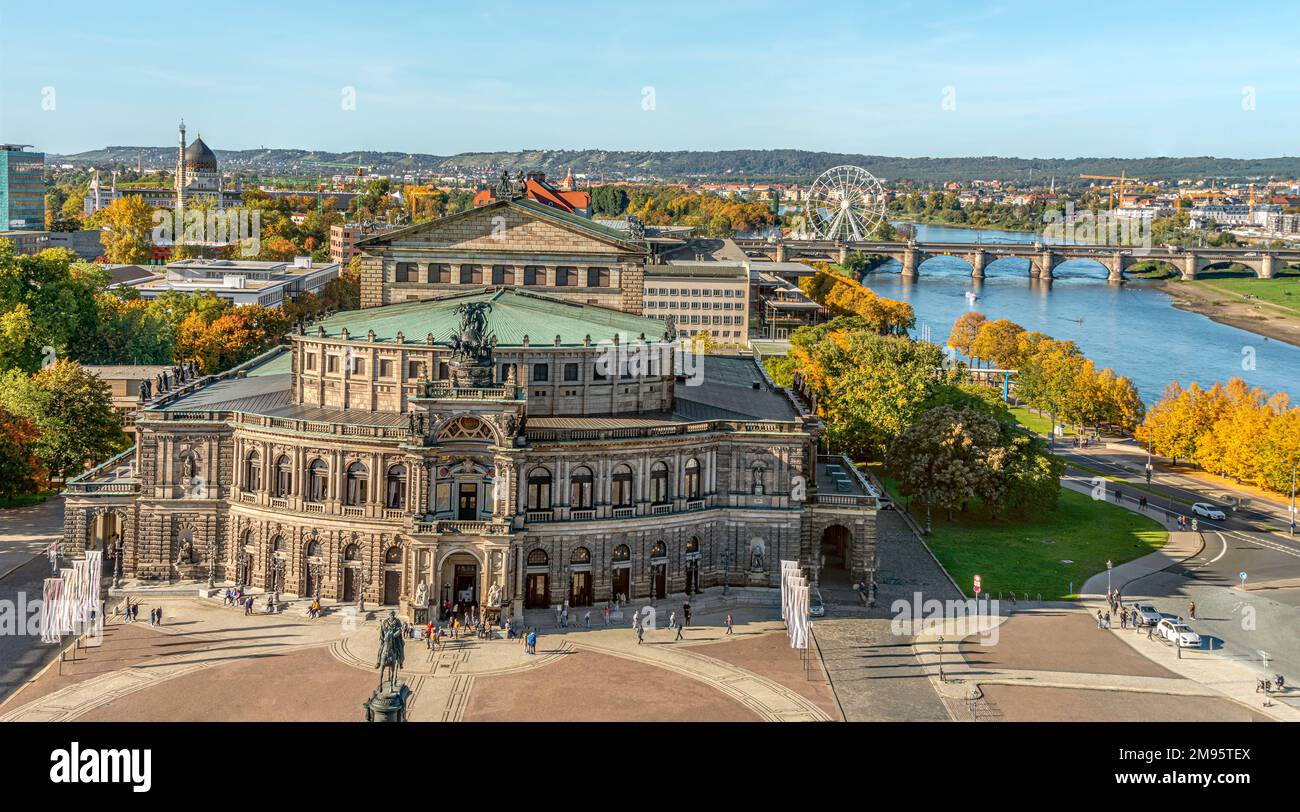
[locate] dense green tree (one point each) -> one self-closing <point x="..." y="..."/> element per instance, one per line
<point x="72" y="411"/>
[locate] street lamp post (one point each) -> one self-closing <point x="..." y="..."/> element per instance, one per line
<point x="117" y="563"/>
<point x="941" y="658"/>
<point x="1109" y="565"/>
<point x="1293" y="468"/>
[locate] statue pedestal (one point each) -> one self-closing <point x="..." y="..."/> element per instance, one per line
<point x="387" y="704"/>
<point x="756" y="578"/>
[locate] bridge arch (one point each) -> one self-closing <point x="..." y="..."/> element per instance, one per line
<point x="1082" y="268"/>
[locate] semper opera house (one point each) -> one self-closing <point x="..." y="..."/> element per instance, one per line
<point x="498" y="425"/>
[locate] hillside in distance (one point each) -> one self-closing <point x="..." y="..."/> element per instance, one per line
<point x="743" y="164"/>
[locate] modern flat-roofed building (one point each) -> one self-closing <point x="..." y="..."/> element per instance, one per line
<point x="22" y="188"/>
<point x="240" y="281"/>
<point x="701" y="297"/>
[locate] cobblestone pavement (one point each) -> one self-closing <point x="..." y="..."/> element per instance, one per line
<point x="211" y="662"/>
<point x="875" y="673"/>
<point x="1060" y="667"/>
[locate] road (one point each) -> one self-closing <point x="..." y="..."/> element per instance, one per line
<point x="25" y="534"/>
<point x="1263" y="617"/>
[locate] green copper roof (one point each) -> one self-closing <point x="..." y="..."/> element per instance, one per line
<point x="515" y="313"/>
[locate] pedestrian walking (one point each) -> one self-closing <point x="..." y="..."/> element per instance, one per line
<point x="1191" y="610"/>
<point x="672" y="620"/>
<point x="564" y="617"/>
<point x="679" y="631"/>
<point x="605" y="612"/>
<point x="638" y="628"/>
<point x="1108" y="620"/>
<point x="1123" y="618"/>
<point x="153" y="614"/>
<point x="1098" y="618"/>
<point x="586" y="618"/>
<point x="532" y="642"/>
<point x="159" y="615"/>
<point x="728" y="623"/>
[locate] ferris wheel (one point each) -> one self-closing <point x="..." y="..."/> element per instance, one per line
<point x="845" y="203"/>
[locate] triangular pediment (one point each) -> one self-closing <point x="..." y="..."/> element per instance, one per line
<point x="513" y="226"/>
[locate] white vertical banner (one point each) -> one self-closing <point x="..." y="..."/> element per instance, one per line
<point x="69" y="600"/>
<point x="799" y="614"/>
<point x="788" y="569"/>
<point x="51" y="591"/>
<point x="94" y="577"/>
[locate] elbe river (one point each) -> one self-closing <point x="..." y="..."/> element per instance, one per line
<point x="1132" y="328"/>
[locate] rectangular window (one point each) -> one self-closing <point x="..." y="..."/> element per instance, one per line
<point x="541" y="372"/>
<point x="566" y="276"/>
<point x="310" y="360"/>
<point x="358" y="366"/>
<point x="506" y="370"/>
<point x="444" y="372"/>
<point x="503" y="275"/>
<point x="534" y="275"/>
<point x="414" y="369"/>
<point x="385" y="368"/>
<point x="598" y="277"/>
<point x="570" y="372"/>
<point x="596" y="373"/>
<point x="332" y="363"/>
<point x="439" y="273"/>
<point x="405" y="272"/>
<point x="471" y="274"/>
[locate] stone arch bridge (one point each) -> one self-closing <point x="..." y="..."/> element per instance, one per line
<point x="1043" y="259"/>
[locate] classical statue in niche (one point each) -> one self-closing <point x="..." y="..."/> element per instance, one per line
<point x="756" y="557"/>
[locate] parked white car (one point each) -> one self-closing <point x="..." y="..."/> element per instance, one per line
<point x="1178" y="633"/>
<point x="1208" y="511"/>
<point x="1146" y="614"/>
<point x="815" y="606"/>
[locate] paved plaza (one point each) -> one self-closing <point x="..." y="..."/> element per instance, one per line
<point x="209" y="662"/>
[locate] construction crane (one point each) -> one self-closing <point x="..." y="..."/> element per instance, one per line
<point x="1123" y="181"/>
<point x="360" y="170"/>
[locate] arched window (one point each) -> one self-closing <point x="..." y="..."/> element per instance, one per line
<point x="253" y="471"/>
<point x="622" y="553"/>
<point x="283" y="476"/>
<point x="248" y="538"/>
<point x="395" y="490"/>
<point x="659" y="550"/>
<point x="357" y="480"/>
<point x="580" y="485"/>
<point x="539" y="489"/>
<point x="393" y="555"/>
<point x="692" y="545"/>
<point x="692" y="483"/>
<point x="621" y="493"/>
<point x="352" y="553"/>
<point x="580" y="555"/>
<point x="659" y="483"/>
<point x="537" y="557"/>
<point x="313" y="548"/>
<point x="318" y="477"/>
<point x="277" y="544"/>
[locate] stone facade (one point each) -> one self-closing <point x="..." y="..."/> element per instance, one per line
<point x="506" y="243"/>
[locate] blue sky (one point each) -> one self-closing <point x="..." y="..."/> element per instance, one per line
<point x="445" y="76"/>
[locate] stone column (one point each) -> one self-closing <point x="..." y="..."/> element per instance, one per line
<point x="977" y="262"/>
<point x="1191" y="265"/>
<point x="1266" y="266"/>
<point x="910" y="261"/>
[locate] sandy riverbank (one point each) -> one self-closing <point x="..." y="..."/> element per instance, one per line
<point x="1235" y="311"/>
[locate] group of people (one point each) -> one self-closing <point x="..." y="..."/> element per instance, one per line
<point x="130" y="612"/>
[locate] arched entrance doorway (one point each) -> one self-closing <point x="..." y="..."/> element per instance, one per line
<point x="105" y="532"/>
<point x="580" y="577"/>
<point x="244" y="561"/>
<point x="692" y="566"/>
<point x="313" y="569"/>
<point x="275" y="577"/>
<point x="351" y="573"/>
<point x="622" y="573"/>
<point x="537" y="585"/>
<point x="459" y="576"/>
<point x="659" y="570"/>
<point x="836" y="549"/>
<point x="392" y="575"/>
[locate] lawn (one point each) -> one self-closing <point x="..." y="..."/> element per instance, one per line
<point x="26" y="499"/>
<point x="1282" y="291"/>
<point x="1027" y="554"/>
<point x="1035" y="422"/>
